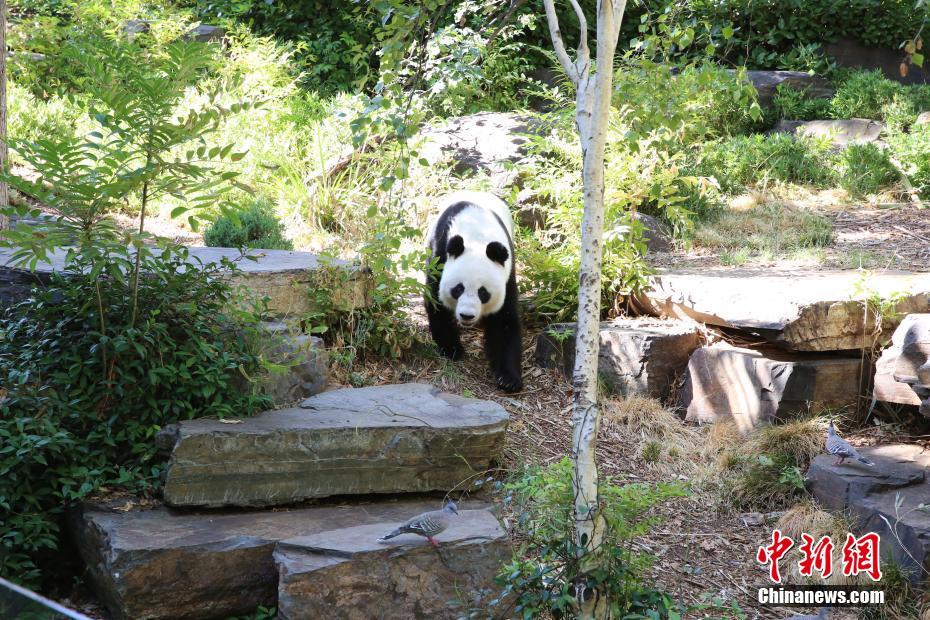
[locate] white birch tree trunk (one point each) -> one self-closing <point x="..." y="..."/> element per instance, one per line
<point x="592" y="99"/>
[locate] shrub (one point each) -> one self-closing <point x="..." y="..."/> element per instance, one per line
<point x="257" y="227"/>
<point x="863" y="95"/>
<point x="87" y="388"/>
<point x="544" y="569"/>
<point x="911" y="150"/>
<point x="766" y="470"/>
<point x="334" y="40"/>
<point x="865" y="169"/>
<point x="381" y="326"/>
<point x="794" y="104"/>
<point x="746" y="160"/>
<point x="698" y="102"/>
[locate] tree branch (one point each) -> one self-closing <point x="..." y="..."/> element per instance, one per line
<point x="559" y="45"/>
<point x="583" y="54"/>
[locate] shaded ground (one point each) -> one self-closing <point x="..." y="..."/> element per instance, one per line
<point x="870" y="236"/>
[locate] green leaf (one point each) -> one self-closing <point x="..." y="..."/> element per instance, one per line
<point x="918" y="59"/>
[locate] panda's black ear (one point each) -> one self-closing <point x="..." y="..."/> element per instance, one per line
<point x="497" y="252"/>
<point x="455" y="247"/>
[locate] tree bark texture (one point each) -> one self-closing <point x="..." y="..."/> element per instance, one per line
<point x="593" y="98"/>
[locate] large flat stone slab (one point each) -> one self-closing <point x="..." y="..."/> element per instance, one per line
<point x="637" y="356"/>
<point x="884" y="499"/>
<point x="841" y="133"/>
<point x="803" y="310"/>
<point x="384" y="439"/>
<point x="159" y="564"/>
<point x="286" y="278"/>
<point x="348" y="574"/>
<point x="751" y="387"/>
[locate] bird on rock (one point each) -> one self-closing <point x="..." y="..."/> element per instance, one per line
<point x="840" y="448"/>
<point x="428" y="524"/>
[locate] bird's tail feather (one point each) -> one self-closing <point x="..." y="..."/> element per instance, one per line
<point x="862" y="459"/>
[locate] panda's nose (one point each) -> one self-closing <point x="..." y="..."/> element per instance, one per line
<point x="466" y="317"/>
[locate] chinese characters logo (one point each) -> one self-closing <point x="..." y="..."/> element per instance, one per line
<point x="859" y="555"/>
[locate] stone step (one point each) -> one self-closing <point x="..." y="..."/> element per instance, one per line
<point x="750" y="387"/>
<point x="883" y="499"/>
<point x="354" y="441"/>
<point x="348" y="574"/>
<point x="637" y="356"/>
<point x="286" y="278"/>
<point x="802" y="310"/>
<point x="161" y="564"/>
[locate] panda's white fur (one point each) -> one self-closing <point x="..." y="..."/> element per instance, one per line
<point x="478" y="226"/>
<point x="471" y="238"/>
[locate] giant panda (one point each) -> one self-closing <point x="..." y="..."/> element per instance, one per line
<point x="471" y="239"/>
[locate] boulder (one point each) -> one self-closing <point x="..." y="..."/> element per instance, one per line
<point x="656" y="233"/>
<point x="637" y="356"/>
<point x="303" y="364"/>
<point x="384" y="439"/>
<point x="912" y="366"/>
<point x="838" y="487"/>
<point x="802" y="310"/>
<point x="751" y="387"/>
<point x="884" y="499"/>
<point x="903" y="372"/>
<point x="347" y="573"/>
<point x="487" y="142"/>
<point x="205" y="33"/>
<point x="840" y="132"/>
<point x="923" y="119"/>
<point x="766" y="82"/>
<point x="159" y="564"/>
<point x="286" y="278"/>
<point x="530" y="209"/>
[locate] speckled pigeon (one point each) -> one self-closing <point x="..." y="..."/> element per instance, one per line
<point x="428" y="524"/>
<point x="840" y="448"/>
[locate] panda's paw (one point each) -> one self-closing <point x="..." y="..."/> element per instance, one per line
<point x="454" y="353"/>
<point x="509" y="382"/>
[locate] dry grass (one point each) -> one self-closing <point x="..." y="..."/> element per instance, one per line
<point x="768" y="230"/>
<point x="809" y="518"/>
<point x="802" y="440"/>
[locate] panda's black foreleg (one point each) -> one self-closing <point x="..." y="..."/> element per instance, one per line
<point x="503" y="346"/>
<point x="445" y="331"/>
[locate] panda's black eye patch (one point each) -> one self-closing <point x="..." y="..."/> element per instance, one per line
<point x="484" y="295"/>
<point x="457" y="290"/>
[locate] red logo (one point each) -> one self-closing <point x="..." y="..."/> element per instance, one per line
<point x="860" y="555"/>
<point x="817" y="557"/>
<point x="773" y="553"/>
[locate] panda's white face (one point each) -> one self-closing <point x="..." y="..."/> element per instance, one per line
<point x="473" y="284"/>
